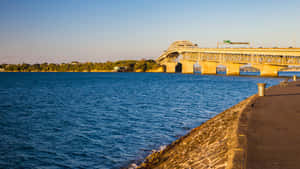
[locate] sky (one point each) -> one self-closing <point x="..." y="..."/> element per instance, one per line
<point x="56" y="31"/>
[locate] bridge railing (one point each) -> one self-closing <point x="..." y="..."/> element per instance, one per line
<point x="242" y="58"/>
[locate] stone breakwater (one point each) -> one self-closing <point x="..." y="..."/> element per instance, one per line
<point x="219" y="143"/>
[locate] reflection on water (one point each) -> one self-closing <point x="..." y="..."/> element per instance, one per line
<point x="280" y="74"/>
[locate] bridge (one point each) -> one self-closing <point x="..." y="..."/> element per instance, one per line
<point x="268" y="60"/>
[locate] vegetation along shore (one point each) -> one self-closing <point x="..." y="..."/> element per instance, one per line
<point x="118" y="66"/>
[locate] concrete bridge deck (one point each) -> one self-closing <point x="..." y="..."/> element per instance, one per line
<point x="274" y="129"/>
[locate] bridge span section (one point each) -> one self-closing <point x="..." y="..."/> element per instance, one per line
<point x="268" y="60"/>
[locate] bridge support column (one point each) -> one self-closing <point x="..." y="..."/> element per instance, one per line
<point x="170" y="67"/>
<point x="208" y="68"/>
<point x="187" y="66"/>
<point x="268" y="70"/>
<point x="233" y="69"/>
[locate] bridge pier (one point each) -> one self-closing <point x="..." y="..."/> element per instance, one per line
<point x="208" y="68"/>
<point x="171" y="67"/>
<point x="268" y="70"/>
<point x="187" y="66"/>
<point x="233" y="69"/>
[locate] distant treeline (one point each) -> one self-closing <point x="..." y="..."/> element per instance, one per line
<point x="124" y="65"/>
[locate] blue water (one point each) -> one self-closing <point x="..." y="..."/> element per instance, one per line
<point x="105" y="120"/>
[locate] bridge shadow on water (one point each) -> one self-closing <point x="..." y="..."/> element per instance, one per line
<point x="281" y="75"/>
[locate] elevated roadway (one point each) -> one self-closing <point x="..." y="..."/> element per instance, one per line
<point x="268" y="60"/>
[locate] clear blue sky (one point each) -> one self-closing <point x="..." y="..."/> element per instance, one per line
<point x="36" y="31"/>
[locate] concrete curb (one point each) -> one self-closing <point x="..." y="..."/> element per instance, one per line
<point x="238" y="151"/>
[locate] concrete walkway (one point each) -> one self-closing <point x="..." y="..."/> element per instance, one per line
<point x="274" y="129"/>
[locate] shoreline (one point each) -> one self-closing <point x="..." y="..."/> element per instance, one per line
<point x="180" y="152"/>
<point x="215" y="143"/>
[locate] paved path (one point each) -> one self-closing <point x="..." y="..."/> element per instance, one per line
<point x="274" y="129"/>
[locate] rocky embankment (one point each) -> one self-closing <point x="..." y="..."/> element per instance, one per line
<point x="217" y="143"/>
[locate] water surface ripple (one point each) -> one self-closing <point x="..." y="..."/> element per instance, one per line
<point x="105" y="120"/>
